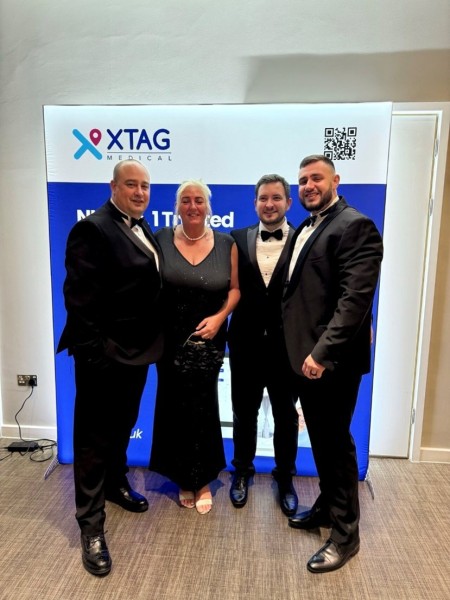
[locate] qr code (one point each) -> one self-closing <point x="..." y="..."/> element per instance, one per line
<point x="340" y="143"/>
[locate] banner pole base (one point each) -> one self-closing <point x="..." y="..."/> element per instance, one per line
<point x="51" y="467"/>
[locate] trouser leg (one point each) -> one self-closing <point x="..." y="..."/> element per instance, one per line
<point x="246" y="394"/>
<point x="106" y="408"/>
<point x="328" y="405"/>
<point x="284" y="410"/>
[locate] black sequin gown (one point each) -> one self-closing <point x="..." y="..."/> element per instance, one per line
<point x="187" y="444"/>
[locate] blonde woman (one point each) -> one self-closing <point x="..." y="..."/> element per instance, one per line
<point x="200" y="289"/>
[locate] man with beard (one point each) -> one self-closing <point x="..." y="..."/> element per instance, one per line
<point x="333" y="269"/>
<point x="258" y="357"/>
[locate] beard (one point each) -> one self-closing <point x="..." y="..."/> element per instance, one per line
<point x="275" y="220"/>
<point x="314" y="206"/>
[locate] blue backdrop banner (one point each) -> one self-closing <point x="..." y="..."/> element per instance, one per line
<point x="229" y="147"/>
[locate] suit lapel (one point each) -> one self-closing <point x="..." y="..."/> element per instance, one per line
<point x="281" y="263"/>
<point x="135" y="240"/>
<point x="252" y="235"/>
<point x="118" y="219"/>
<point x="308" y="244"/>
<point x="149" y="234"/>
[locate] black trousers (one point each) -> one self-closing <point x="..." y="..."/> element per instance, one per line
<point x="265" y="366"/>
<point x="106" y="409"/>
<point x="328" y="405"/>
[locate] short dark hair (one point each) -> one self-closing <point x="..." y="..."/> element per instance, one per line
<point x="273" y="178"/>
<point x="312" y="158"/>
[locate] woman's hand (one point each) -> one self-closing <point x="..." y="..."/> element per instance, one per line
<point x="208" y="328"/>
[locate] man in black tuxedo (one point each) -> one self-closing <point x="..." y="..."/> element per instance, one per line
<point x="112" y="295"/>
<point x="332" y="274"/>
<point x="258" y="357"/>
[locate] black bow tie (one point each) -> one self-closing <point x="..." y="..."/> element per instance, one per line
<point x="324" y="213"/>
<point x="134" y="222"/>
<point x="277" y="234"/>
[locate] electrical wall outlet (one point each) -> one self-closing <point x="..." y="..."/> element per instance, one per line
<point x="27" y="380"/>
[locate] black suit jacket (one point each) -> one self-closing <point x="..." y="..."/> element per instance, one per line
<point x="327" y="304"/>
<point x="112" y="291"/>
<point x="258" y="309"/>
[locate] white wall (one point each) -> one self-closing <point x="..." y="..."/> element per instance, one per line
<point x="198" y="51"/>
<point x="411" y="236"/>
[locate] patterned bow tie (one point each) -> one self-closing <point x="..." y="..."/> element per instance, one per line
<point x="277" y="234"/>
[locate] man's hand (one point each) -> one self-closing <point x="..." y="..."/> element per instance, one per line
<point x="311" y="369"/>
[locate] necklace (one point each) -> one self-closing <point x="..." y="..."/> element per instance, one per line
<point x="193" y="239"/>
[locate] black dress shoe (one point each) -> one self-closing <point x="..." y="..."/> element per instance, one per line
<point x="332" y="556"/>
<point x="310" y="519"/>
<point x="95" y="554"/>
<point x="127" y="499"/>
<point x="288" y="499"/>
<point x="239" y="490"/>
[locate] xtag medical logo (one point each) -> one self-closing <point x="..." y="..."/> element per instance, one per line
<point x="136" y="143"/>
<point x="95" y="136"/>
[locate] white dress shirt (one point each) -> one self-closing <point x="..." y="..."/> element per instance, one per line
<point x="268" y="252"/>
<point x="303" y="237"/>
<point x="139" y="232"/>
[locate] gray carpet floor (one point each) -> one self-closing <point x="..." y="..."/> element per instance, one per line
<point x="172" y="553"/>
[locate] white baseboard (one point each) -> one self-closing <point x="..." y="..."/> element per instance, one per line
<point x="28" y="432"/>
<point x="436" y="455"/>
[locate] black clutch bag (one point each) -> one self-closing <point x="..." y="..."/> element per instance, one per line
<point x="197" y="356"/>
